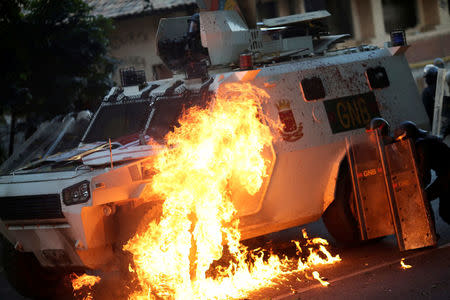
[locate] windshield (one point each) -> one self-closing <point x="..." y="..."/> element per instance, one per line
<point x="58" y="135"/>
<point x="118" y="120"/>
<point x="112" y="121"/>
<point x="167" y="113"/>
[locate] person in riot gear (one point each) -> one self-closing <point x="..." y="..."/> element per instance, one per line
<point x="409" y="129"/>
<point x="429" y="92"/>
<point x="431" y="154"/>
<point x="426" y="68"/>
<point x="439" y="62"/>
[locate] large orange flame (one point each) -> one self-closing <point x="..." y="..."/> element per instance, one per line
<point x="211" y="150"/>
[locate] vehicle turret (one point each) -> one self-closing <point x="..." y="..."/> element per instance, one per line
<point x="216" y="40"/>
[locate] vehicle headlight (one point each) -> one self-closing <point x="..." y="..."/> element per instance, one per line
<point x="77" y="193"/>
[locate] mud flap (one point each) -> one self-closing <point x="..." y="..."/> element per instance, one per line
<point x="388" y="196"/>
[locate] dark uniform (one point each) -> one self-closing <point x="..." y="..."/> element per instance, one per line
<point x="429" y="92"/>
<point x="446" y="109"/>
<point x="433" y="154"/>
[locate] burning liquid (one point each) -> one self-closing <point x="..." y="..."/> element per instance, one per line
<point x="213" y="152"/>
<point x="79" y="282"/>
<point x="403" y="265"/>
<point x="210" y="151"/>
<point x="316" y="275"/>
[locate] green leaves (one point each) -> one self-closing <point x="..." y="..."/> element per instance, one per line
<point x="54" y="59"/>
<point x="56" y="52"/>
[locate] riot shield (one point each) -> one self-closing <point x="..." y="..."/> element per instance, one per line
<point x="371" y="196"/>
<point x="388" y="196"/>
<point x="436" y="128"/>
<point x="411" y="215"/>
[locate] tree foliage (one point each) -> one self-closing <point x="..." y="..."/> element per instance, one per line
<point x="53" y="58"/>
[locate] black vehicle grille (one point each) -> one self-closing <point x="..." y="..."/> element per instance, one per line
<point x="31" y="207"/>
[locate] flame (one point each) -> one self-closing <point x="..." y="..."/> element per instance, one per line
<point x="401" y="137"/>
<point x="213" y="151"/>
<point x="317" y="276"/>
<point x="78" y="282"/>
<point x="84" y="280"/>
<point x="404" y="266"/>
<point x="318" y="254"/>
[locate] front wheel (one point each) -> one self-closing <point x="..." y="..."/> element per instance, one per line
<point x="338" y="217"/>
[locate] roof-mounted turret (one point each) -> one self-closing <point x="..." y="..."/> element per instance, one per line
<point x="218" y="38"/>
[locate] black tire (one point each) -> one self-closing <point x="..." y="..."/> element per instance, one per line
<point x="338" y="217"/>
<point x="30" y="279"/>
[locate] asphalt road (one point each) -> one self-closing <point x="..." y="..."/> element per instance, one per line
<point x="371" y="271"/>
<point x="6" y="291"/>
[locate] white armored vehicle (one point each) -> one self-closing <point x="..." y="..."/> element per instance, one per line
<point x="78" y="207"/>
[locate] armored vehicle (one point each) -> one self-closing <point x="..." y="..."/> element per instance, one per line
<point x="76" y="208"/>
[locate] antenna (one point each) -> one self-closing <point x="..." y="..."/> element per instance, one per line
<point x="110" y="154"/>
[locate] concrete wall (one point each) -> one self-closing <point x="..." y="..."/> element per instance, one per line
<point x="133" y="43"/>
<point x="371" y="19"/>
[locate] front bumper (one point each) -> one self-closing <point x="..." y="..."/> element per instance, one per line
<point x="39" y="222"/>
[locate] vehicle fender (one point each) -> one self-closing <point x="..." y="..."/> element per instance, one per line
<point x="329" y="193"/>
<point x="144" y="192"/>
<point x="140" y="191"/>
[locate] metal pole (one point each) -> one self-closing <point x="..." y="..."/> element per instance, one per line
<point x="437" y="112"/>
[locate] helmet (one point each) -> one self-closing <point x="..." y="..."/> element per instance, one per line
<point x="431" y="75"/>
<point x="439" y="62"/>
<point x="426" y="68"/>
<point x="408" y="129"/>
<point x="379" y="123"/>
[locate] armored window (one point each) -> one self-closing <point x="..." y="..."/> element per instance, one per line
<point x="377" y="78"/>
<point x="130" y="76"/>
<point x="312" y="88"/>
<point x="118" y="120"/>
<point x="161" y="72"/>
<point x="167" y="113"/>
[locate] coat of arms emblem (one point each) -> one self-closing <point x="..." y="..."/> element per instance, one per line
<point x="289" y="130"/>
